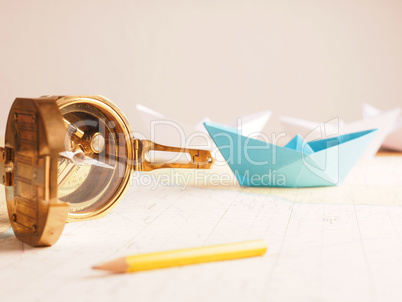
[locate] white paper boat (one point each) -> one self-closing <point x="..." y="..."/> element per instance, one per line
<point x="394" y="139"/>
<point x="168" y="131"/>
<point x="309" y="130"/>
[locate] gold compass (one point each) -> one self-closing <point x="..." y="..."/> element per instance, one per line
<point x="70" y="158"/>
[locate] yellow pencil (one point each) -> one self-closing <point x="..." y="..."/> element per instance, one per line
<point x="185" y="256"/>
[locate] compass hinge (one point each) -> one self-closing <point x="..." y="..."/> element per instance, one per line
<point x="137" y="165"/>
<point x="6" y="166"/>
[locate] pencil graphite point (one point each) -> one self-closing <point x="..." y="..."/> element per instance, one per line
<point x="117" y="266"/>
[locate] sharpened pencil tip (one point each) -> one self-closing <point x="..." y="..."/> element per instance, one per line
<point x="115" y="266"/>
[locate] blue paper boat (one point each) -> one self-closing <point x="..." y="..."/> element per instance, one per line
<point x="317" y="163"/>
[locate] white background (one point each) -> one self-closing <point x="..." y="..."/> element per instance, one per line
<point x="188" y="59"/>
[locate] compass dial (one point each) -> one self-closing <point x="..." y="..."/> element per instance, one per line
<point x="93" y="170"/>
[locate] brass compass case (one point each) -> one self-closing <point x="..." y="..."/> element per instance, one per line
<point x="69" y="158"/>
<point x="34" y="138"/>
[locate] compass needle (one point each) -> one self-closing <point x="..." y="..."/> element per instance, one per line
<point x="79" y="158"/>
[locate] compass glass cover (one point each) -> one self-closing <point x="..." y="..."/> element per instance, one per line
<point x="93" y="170"/>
